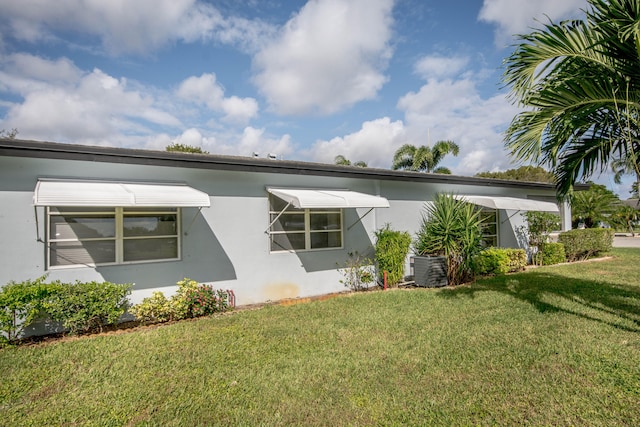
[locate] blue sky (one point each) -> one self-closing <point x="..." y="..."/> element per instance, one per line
<point x="306" y="80"/>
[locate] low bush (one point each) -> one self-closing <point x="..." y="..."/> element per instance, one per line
<point x="517" y="259"/>
<point x="392" y="248"/>
<point x="499" y="261"/>
<point x="83" y="306"/>
<point x="156" y="308"/>
<point x="20" y="304"/>
<point x="358" y="272"/>
<point x="586" y="243"/>
<point x="550" y="253"/>
<point x="191" y="300"/>
<point x="491" y="261"/>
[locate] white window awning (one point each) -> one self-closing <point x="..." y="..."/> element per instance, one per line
<point x="117" y="194"/>
<point x="510" y="203"/>
<point x="310" y="199"/>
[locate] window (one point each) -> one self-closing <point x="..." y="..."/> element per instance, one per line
<point x="303" y="229"/>
<point x="97" y="236"/>
<point x="489" y="227"/>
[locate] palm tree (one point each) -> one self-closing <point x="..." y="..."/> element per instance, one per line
<point x="424" y="158"/>
<point x="594" y="205"/>
<point x="579" y="82"/>
<point x="343" y="161"/>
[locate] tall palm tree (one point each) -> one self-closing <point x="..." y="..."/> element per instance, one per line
<point x="579" y="82"/>
<point x="424" y="158"/>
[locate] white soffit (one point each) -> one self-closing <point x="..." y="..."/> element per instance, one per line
<point x="309" y="199"/>
<point x="117" y="194"/>
<point x="510" y="203"/>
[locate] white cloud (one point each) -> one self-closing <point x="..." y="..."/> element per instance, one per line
<point x="61" y="102"/>
<point x="206" y="90"/>
<point x="454" y="110"/>
<point x="327" y="57"/>
<point x="440" y="66"/>
<point x="250" y="141"/>
<point x="374" y="143"/>
<point x="519" y="16"/>
<point x="130" y="26"/>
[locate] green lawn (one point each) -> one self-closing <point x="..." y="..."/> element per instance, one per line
<point x="552" y="346"/>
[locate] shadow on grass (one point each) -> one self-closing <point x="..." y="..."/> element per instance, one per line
<point x="614" y="304"/>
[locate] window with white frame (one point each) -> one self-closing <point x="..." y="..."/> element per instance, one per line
<point x="303" y="229"/>
<point x="489" y="227"/>
<point x="98" y="236"/>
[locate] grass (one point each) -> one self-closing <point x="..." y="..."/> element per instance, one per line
<point x="553" y="346"/>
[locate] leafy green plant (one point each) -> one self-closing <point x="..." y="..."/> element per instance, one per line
<point x="586" y="243"/>
<point x="156" y="308"/>
<point x="392" y="248"/>
<point x="551" y="253"/>
<point x="491" y="261"/>
<point x="358" y="272"/>
<point x="21" y="304"/>
<point x="83" y="306"/>
<point x="517" y="259"/>
<point x="191" y="300"/>
<point x="450" y="227"/>
<point x="539" y="225"/>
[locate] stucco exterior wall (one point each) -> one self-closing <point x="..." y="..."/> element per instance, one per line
<point x="226" y="244"/>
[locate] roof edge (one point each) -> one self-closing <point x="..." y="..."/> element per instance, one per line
<point x="56" y="150"/>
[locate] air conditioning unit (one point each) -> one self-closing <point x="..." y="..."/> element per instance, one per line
<point x="429" y="271"/>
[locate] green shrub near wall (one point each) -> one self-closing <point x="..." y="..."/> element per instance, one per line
<point x="392" y="248"/>
<point x="78" y="307"/>
<point x="83" y="306"/>
<point x="499" y="261"/>
<point x="550" y="254"/>
<point x="20" y="304"/>
<point x="586" y="243"/>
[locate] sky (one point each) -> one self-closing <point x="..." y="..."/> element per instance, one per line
<point x="304" y="80"/>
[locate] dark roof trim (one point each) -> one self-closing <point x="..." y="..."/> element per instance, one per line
<point x="52" y="150"/>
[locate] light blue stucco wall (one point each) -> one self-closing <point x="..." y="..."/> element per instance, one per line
<point x="225" y="244"/>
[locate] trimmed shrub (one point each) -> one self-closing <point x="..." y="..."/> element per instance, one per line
<point x="491" y="261"/>
<point x="586" y="243"/>
<point x="517" y="259"/>
<point x="191" y="300"/>
<point x="551" y="253"/>
<point x="156" y="308"/>
<point x="499" y="261"/>
<point x="20" y="304"/>
<point x="392" y="248"/>
<point x="83" y="306"/>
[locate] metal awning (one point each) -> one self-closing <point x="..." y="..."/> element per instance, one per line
<point x="310" y="199"/>
<point x="510" y="203"/>
<point x="117" y="194"/>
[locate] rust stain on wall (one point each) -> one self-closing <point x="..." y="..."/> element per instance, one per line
<point x="279" y="291"/>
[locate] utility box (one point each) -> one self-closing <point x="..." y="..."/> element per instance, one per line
<point x="430" y="271"/>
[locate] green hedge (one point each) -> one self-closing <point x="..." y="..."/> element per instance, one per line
<point x="83" y="306"/>
<point x="78" y="307"/>
<point x="551" y="253"/>
<point x="499" y="261"/>
<point x="586" y="243"/>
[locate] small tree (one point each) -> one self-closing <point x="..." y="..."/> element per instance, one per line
<point x="451" y="228"/>
<point x="539" y="225"/>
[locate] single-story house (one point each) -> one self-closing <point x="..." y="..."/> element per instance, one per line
<point x="266" y="229"/>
